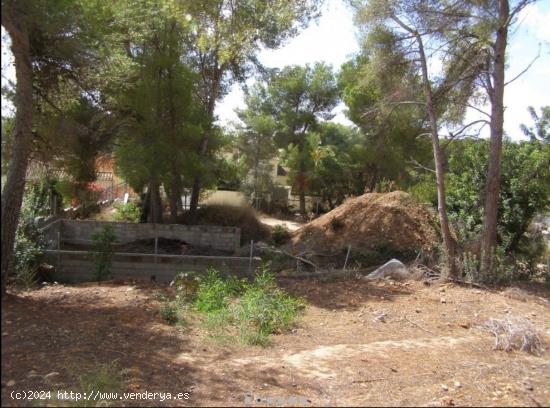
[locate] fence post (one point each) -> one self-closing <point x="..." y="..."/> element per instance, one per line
<point x="347" y="257"/>
<point x="250" y="260"/>
<point x="59" y="251"/>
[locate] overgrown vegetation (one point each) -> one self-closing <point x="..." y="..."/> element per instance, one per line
<point x="280" y="235"/>
<point x="524" y="193"/>
<point x="252" y="311"/>
<point x="103" y="252"/>
<point x="29" y="242"/>
<point x="102" y="379"/>
<point x="127" y="212"/>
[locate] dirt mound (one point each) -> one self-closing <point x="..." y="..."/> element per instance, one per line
<point x="244" y="217"/>
<point x="388" y="222"/>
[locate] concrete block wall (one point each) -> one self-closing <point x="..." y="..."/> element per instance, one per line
<point x="76" y="267"/>
<point x="216" y="237"/>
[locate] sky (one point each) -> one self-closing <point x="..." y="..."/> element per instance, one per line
<point x="333" y="39"/>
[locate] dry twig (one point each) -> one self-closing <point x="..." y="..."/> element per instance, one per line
<point x="420" y="327"/>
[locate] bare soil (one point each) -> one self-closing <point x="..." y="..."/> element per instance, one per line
<point x="425" y="350"/>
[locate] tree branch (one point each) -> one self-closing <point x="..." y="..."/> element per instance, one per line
<point x="525" y="69"/>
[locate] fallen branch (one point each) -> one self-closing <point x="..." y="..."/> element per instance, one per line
<point x="420" y="327"/>
<point x="476" y="285"/>
<point x="370" y="380"/>
<point x="298" y="258"/>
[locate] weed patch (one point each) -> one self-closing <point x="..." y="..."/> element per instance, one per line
<point x="250" y="311"/>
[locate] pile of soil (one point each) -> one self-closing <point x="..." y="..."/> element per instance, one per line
<point x="387" y="222"/>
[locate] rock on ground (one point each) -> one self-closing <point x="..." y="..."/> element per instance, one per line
<point x="392" y="269"/>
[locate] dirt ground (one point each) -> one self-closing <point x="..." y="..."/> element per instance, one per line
<point x="426" y="350"/>
<point x="291" y="225"/>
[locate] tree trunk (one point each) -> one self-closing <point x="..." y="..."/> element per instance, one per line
<point x="492" y="187"/>
<point x="155" y="208"/>
<point x="301" y="191"/>
<point x="195" y="193"/>
<point x="174" y="197"/>
<point x="194" y="202"/>
<point x="439" y="172"/>
<point x="12" y="193"/>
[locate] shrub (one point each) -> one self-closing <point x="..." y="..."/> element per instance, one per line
<point x="254" y="309"/>
<point x="280" y="235"/>
<point x="127" y="212"/>
<point x="515" y="333"/>
<point x="103" y="254"/>
<point x="213" y="292"/>
<point x="103" y="378"/>
<point x="523" y="193"/>
<point x="29" y="242"/>
<point x="186" y="285"/>
<point x="170" y="311"/>
<point x="264" y="309"/>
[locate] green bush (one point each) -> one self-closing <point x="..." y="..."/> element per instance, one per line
<point x="264" y="309"/>
<point x="524" y="191"/>
<point x="253" y="309"/>
<point x="103" y="252"/>
<point x="214" y="292"/>
<point x="425" y="191"/>
<point x="127" y="212"/>
<point x="280" y="235"/>
<point x="29" y="242"/>
<point x="169" y="312"/>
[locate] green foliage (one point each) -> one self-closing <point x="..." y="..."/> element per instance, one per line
<point x="29" y="242"/>
<point x="280" y="235"/>
<point x="103" y="252"/>
<point x="264" y="309"/>
<point x="525" y="188"/>
<point x="214" y="292"/>
<point x="127" y="212"/>
<point x="170" y="311"/>
<point x="425" y="190"/>
<point x="373" y="85"/>
<point x="541" y="129"/>
<point x="254" y="309"/>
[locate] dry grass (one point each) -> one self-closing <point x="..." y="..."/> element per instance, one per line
<point x="515" y="333"/>
<point x="517" y="294"/>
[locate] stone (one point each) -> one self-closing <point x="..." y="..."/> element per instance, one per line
<point x="393" y="269"/>
<point x="51" y="375"/>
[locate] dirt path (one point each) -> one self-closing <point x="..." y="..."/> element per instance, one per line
<point x="290" y="225"/>
<point x="425" y="351"/>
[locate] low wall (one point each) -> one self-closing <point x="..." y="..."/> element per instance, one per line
<point x="76" y="266"/>
<point x="222" y="238"/>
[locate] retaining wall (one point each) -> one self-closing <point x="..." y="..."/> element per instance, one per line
<point x="76" y="266"/>
<point x="216" y="237"/>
